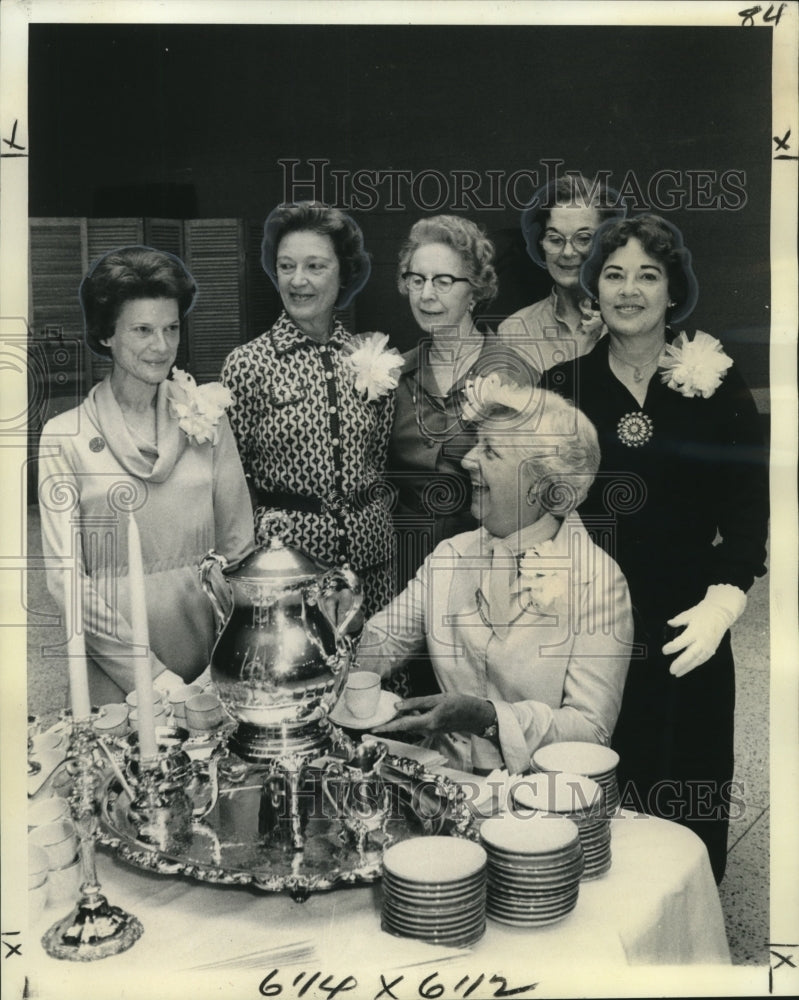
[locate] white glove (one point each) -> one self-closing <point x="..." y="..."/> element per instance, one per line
<point x="168" y="681"/>
<point x="705" y="624"/>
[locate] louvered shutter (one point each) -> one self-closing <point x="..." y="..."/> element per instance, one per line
<point x="167" y="234"/>
<point x="58" y="261"/>
<point x="104" y="235"/>
<point x="58" y="366"/>
<point x="215" y="256"/>
<point x="261" y="296"/>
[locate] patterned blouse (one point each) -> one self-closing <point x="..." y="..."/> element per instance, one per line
<point x="303" y="429"/>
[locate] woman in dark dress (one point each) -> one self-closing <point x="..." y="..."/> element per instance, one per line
<point x="681" y="503"/>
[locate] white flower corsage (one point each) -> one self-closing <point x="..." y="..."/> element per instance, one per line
<point x="591" y="323"/>
<point x="694" y="367"/>
<point x="198" y="407"/>
<point x="546" y="586"/>
<point x="487" y="391"/>
<point x="375" y="368"/>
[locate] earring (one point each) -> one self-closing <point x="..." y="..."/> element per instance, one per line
<point x="671" y="303"/>
<point x="532" y="497"/>
<point x="470" y="307"/>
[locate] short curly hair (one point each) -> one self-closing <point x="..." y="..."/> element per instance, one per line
<point x="314" y="217"/>
<point x="467" y="239"/>
<point x="661" y="240"/>
<point x="126" y="274"/>
<point x="562" y="443"/>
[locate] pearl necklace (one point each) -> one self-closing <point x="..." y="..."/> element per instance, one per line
<point x="638" y="369"/>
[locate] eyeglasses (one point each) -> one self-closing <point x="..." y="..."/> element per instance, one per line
<point x="441" y="282"/>
<point x="555" y="242"/>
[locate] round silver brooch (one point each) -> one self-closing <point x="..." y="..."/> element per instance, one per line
<point x="96" y="444"/>
<point x="635" y="429"/>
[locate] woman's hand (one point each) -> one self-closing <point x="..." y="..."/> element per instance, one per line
<point x="441" y="713"/>
<point x="704" y="626"/>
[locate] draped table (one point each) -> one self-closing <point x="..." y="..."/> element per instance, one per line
<point x="658" y="904"/>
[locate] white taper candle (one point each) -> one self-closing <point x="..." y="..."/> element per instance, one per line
<point x="76" y="647"/>
<point x="141" y="639"/>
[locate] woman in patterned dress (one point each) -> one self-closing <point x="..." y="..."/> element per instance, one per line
<point x="312" y="442"/>
<point x="559" y="226"/>
<point x="681" y="503"/>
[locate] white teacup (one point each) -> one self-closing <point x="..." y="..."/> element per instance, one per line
<point x="362" y="693"/>
<point x="47" y="742"/>
<point x="59" y="840"/>
<point x="159" y="715"/>
<point x="179" y="697"/>
<point x="38" y="866"/>
<point x="132" y="698"/>
<point x="48" y="811"/>
<point x="204" y="712"/>
<point x="112" y="720"/>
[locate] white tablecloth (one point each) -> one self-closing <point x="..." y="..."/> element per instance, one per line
<point x="657" y="904"/>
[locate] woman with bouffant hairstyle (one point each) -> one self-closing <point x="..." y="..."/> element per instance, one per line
<point x="314" y="403"/>
<point x="139" y="446"/>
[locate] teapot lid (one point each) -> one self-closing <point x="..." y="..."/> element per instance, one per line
<point x="277" y="562"/>
<point x="274" y="561"/>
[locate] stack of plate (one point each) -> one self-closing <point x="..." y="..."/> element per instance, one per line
<point x="534" y="866"/>
<point x="590" y="759"/>
<point x="573" y="797"/>
<point x="434" y="888"/>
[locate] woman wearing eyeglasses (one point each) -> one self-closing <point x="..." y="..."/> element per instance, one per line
<point x="446" y="270"/>
<point x="559" y="226"/>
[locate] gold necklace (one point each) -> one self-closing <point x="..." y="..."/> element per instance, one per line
<point x="638" y="370"/>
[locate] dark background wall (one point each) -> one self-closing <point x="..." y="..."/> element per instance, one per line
<point x="191" y="121"/>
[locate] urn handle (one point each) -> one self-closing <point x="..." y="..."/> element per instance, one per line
<point x="216" y="561"/>
<point x="329" y="584"/>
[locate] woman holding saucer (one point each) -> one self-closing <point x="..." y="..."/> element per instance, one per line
<point x="526" y="622"/>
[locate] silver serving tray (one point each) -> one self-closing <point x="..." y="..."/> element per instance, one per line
<point x="242" y="841"/>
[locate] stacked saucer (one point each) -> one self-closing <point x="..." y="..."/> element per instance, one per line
<point x="590" y="759"/>
<point x="534" y="866"/>
<point x="434" y="889"/>
<point x="574" y="797"/>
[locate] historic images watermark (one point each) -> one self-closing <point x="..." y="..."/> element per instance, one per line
<point x="432" y="190"/>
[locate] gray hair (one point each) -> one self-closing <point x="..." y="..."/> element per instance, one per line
<point x="463" y="236"/>
<point x="548" y="421"/>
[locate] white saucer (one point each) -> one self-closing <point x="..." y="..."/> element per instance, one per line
<point x="385" y="713"/>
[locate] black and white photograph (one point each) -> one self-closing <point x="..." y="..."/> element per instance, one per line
<point x="399" y="425"/>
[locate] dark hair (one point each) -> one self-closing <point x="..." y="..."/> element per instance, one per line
<point x="661" y="240"/>
<point x="125" y="274"/>
<point x="566" y="190"/>
<point x="463" y="236"/>
<point x="314" y="217"/>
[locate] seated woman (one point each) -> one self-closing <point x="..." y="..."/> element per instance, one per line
<point x="559" y="226"/>
<point x="138" y="444"/>
<point x="527" y="622"/>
